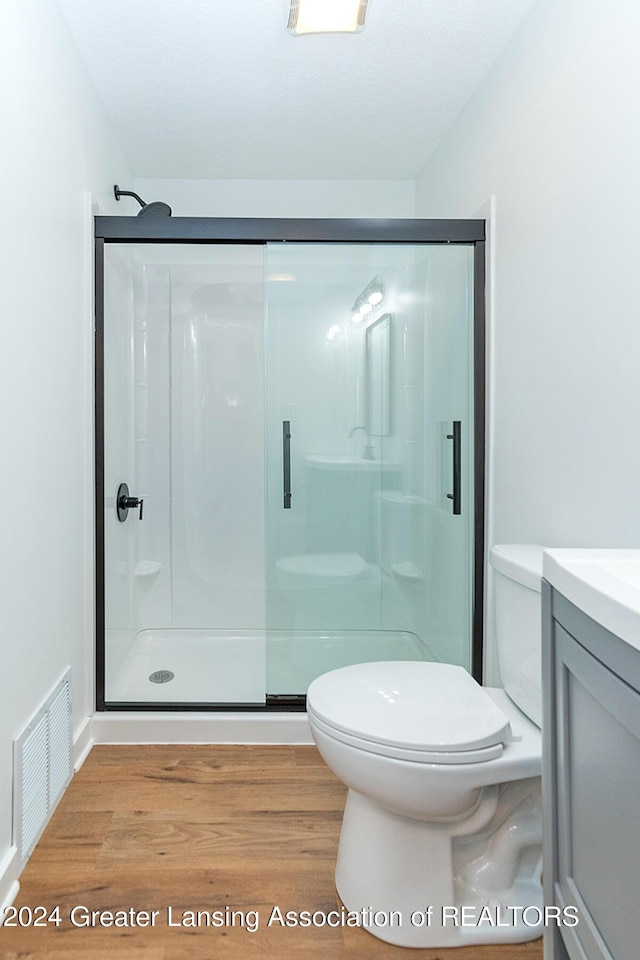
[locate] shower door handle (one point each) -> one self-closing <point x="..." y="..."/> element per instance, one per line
<point x="456" y="496"/>
<point x="286" y="464"/>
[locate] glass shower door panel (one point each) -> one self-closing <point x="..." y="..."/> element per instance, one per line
<point x="368" y="364"/>
<point x="119" y="458"/>
<point x="445" y="280"/>
<point x="184" y="428"/>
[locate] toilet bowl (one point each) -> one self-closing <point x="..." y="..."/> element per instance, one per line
<point x="441" y="835"/>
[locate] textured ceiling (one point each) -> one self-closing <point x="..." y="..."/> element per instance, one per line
<point x="219" y="88"/>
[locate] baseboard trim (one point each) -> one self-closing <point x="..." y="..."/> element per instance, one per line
<point x="82" y="743"/>
<point x="238" y="728"/>
<point x="9" y="885"/>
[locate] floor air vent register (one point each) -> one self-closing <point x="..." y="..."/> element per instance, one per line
<point x="41" y="767"/>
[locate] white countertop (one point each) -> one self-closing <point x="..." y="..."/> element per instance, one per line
<point x="605" y="584"/>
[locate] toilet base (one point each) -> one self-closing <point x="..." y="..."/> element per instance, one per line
<point x="447" y="883"/>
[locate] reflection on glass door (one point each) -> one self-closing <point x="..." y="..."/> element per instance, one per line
<point x="369" y="420"/>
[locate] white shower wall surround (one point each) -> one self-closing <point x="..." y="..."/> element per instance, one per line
<point x="208" y="349"/>
<point x="192" y="439"/>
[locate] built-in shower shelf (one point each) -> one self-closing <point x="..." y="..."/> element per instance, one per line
<point x="147" y="568"/>
<point x="407" y="571"/>
<point x="341" y="462"/>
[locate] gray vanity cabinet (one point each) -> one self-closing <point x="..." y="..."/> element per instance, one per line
<point x="591" y="784"/>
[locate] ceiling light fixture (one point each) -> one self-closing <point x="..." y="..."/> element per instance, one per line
<point x="326" y="16"/>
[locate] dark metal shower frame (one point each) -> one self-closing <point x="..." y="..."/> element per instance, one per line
<point x="211" y="230"/>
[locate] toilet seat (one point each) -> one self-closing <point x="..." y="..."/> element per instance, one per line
<point x="406" y="753"/>
<point x="424" y="712"/>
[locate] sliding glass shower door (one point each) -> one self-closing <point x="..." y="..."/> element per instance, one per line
<point x="184" y="430"/>
<point x="369" y="495"/>
<point x="285" y="437"/>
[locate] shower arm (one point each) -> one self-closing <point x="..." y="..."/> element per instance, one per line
<point x="117" y="192"/>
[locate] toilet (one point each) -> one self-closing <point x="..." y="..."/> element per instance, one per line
<point x="441" y="841"/>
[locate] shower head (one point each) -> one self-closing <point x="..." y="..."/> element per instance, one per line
<point x="155" y="209"/>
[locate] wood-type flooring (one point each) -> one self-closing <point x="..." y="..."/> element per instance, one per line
<point x="198" y="828"/>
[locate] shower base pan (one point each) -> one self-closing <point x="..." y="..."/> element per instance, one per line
<point x="220" y="667"/>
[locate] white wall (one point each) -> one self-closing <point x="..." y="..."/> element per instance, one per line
<point x="279" y="198"/>
<point x="57" y="153"/>
<point x="554" y="134"/>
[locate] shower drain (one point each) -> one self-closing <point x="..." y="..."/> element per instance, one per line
<point x="161" y="676"/>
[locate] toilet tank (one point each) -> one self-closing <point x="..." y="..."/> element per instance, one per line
<point x="518" y="623"/>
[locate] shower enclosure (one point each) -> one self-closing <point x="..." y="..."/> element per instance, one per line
<point x="289" y="454"/>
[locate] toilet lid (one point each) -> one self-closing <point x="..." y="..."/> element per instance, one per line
<point x="432" y="707"/>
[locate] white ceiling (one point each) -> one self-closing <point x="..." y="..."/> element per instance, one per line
<point x="220" y="89"/>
